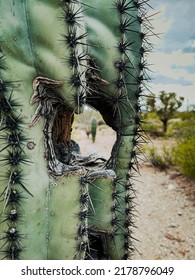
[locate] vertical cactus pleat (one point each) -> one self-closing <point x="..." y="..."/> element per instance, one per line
<point x="116" y="40"/>
<point x="56" y="57"/>
<point x="33" y="70"/>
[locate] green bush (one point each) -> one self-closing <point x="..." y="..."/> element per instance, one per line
<point x="161" y="159"/>
<point x="184" y="152"/>
<point x="151" y="116"/>
<point x="152" y="129"/>
<point x="186" y="115"/>
<point x="184" y="157"/>
<point x="151" y="125"/>
<point x="182" y="129"/>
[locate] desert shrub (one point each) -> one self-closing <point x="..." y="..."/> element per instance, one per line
<point x="151" y="116"/>
<point x="162" y="159"/>
<point x="101" y="122"/>
<point x="151" y="124"/>
<point x="184" y="157"/>
<point x="152" y="129"/>
<point x="183" y="154"/>
<point x="186" y="115"/>
<point x="182" y="130"/>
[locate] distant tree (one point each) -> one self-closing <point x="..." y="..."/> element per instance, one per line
<point x="170" y="103"/>
<point x="151" y="103"/>
<point x="191" y="107"/>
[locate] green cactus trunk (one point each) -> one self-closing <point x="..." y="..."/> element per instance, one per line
<point x="63" y="55"/>
<point x="93" y="129"/>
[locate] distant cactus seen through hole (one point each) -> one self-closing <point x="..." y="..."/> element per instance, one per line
<point x="82" y="134"/>
<point x="93" y="129"/>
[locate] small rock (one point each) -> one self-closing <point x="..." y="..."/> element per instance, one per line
<point x="158" y="257"/>
<point x="172" y="226"/>
<point x="171" y="187"/>
<point x="169" y="236"/>
<point x="184" y="206"/>
<point x="172" y="237"/>
<point x="182" y="251"/>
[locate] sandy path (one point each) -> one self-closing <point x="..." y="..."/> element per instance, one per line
<point x="166" y="219"/>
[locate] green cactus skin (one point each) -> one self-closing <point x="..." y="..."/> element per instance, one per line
<point x="119" y="59"/>
<point x="28" y="54"/>
<point x="63" y="55"/>
<point x="93" y="129"/>
<point x="68" y="231"/>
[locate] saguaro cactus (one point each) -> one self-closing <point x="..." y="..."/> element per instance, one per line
<point x="63" y="55"/>
<point x="93" y="129"/>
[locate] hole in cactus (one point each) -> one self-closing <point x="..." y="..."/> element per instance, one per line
<point x="97" y="246"/>
<point x="78" y="141"/>
<point x="62" y="147"/>
<point x="92" y="134"/>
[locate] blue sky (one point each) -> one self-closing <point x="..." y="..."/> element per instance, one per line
<point x="173" y="58"/>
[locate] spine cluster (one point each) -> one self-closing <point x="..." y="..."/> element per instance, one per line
<point x="74" y="40"/>
<point x="12" y="187"/>
<point x="83" y="240"/>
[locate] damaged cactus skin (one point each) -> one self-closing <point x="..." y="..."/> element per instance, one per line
<point x="62" y="56"/>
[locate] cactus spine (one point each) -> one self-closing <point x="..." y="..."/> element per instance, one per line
<point x="54" y="202"/>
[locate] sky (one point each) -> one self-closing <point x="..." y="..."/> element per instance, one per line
<point x="173" y="58"/>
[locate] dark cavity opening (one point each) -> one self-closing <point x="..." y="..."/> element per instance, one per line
<point x="97" y="246"/>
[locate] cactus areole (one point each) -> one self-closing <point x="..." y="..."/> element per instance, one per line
<point x="56" y="57"/>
